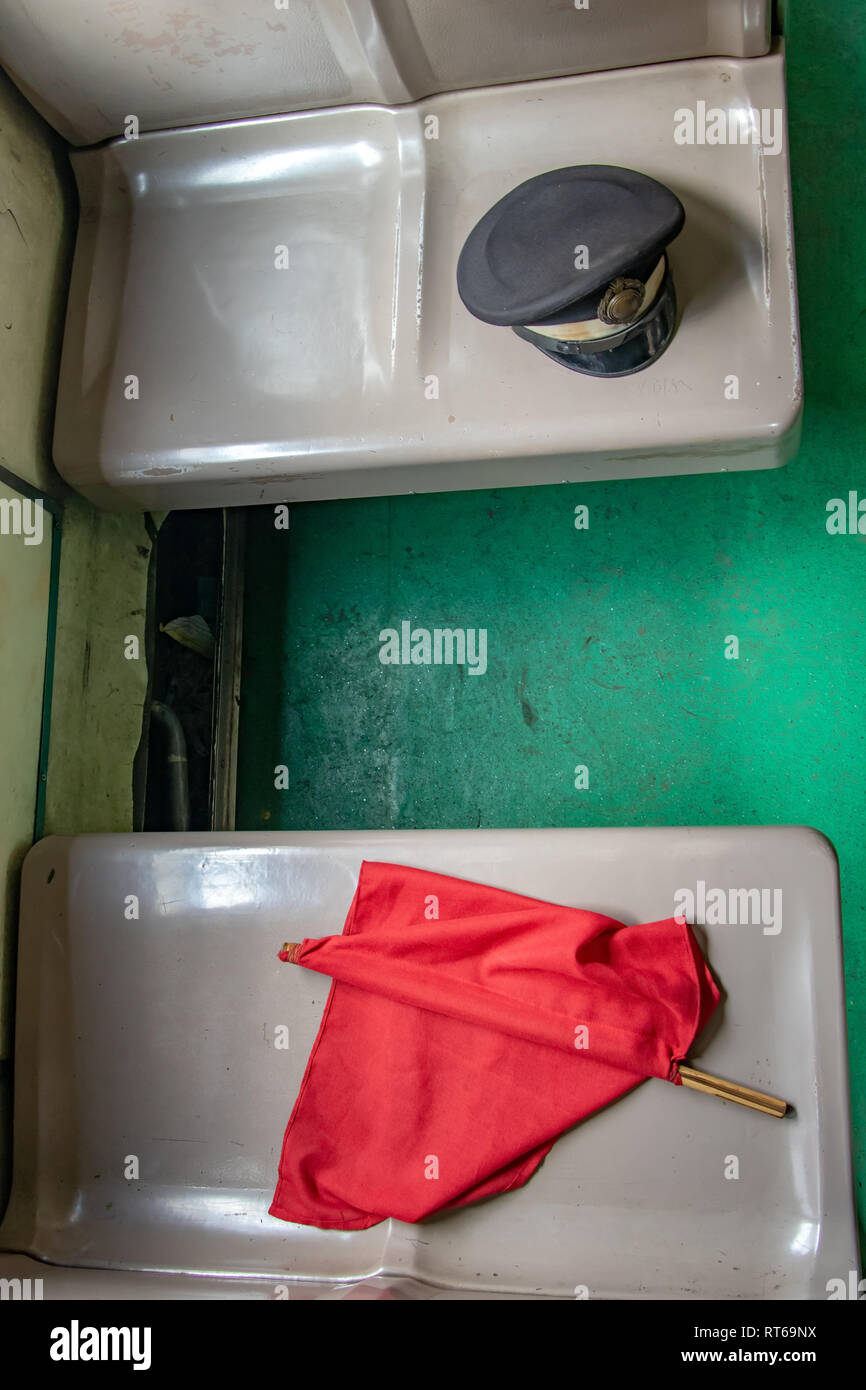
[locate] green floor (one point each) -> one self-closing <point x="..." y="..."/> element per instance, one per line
<point x="606" y="646"/>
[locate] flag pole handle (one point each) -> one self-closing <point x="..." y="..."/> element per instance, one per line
<point x="731" y="1090"/>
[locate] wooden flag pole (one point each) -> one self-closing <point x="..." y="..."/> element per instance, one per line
<point x="731" y="1090"/>
<point x="695" y="1080"/>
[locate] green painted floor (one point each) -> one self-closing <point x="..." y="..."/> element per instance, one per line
<point x="606" y="646"/>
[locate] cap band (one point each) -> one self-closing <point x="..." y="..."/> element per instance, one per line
<point x="589" y="330"/>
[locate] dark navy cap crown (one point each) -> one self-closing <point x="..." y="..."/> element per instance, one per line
<point x="517" y="265"/>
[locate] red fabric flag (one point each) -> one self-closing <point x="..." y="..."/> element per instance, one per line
<point x="455" y="1049"/>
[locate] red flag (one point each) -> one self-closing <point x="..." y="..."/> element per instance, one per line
<point x="455" y="1048"/>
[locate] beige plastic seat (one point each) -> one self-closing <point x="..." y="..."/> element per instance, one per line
<point x="265" y="309"/>
<point x="151" y="1099"/>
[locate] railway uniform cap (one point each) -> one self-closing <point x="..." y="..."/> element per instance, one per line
<point x="575" y="261"/>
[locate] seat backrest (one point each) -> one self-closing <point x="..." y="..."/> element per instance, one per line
<point x="90" y="66"/>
